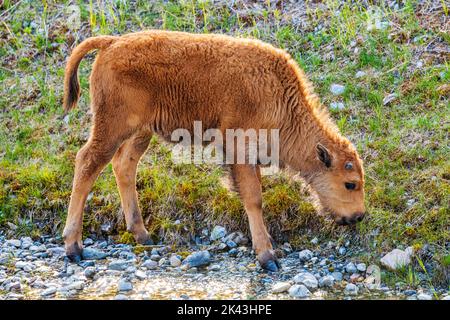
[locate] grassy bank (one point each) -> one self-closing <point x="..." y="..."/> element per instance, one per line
<point x="392" y="59"/>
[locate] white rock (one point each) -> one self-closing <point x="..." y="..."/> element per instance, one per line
<point x="174" y="261"/>
<point x="125" y="285"/>
<point x="280" y="287"/>
<point x="218" y="233"/>
<point x="337" y="89"/>
<point x="141" y="275"/>
<point x="326" y="281"/>
<point x="397" y="259"/>
<point x="446" y="298"/>
<point x="360" y="74"/>
<point x="305" y="255"/>
<point x="299" y="291"/>
<point x="150" y="264"/>
<point x="337" y="106"/>
<point x="424" y="296"/>
<point x="14" y="243"/>
<point x="351" y="289"/>
<point x="361" y="267"/>
<point x="48" y="292"/>
<point x="307" y="279"/>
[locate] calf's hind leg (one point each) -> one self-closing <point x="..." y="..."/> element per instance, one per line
<point x="247" y="180"/>
<point x="125" y="163"/>
<point x="89" y="162"/>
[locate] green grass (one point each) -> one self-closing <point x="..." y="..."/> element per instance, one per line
<point x="404" y="144"/>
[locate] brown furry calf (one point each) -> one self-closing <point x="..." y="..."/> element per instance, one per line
<point x="155" y="82"/>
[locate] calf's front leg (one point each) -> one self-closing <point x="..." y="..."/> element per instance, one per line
<point x="247" y="180"/>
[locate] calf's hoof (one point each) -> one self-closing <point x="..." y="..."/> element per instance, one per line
<point x="73" y="252"/>
<point x="268" y="261"/>
<point x="144" y="239"/>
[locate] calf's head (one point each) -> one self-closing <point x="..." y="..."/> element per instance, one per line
<point x="339" y="182"/>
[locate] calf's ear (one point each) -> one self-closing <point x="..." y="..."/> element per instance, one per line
<point x="324" y="155"/>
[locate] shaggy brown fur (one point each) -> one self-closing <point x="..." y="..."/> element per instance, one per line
<point x="158" y="81"/>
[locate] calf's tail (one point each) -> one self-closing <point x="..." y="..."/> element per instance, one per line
<point x="71" y="83"/>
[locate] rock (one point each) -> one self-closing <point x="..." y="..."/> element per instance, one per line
<point x="214" y="267"/>
<point x="389" y="98"/>
<point x="141" y="275"/>
<point x="361" y="267"/>
<point x="409" y="292"/>
<point x="77" y="285"/>
<point x="14" y="243"/>
<point x="337" y="89"/>
<point x="89" y="272"/>
<point x="88" y="242"/>
<point x="119" y="265"/>
<point x="280" y="287"/>
<point x="337" y="106"/>
<point x="360" y="74"/>
<point x="342" y="251"/>
<point x="446" y="298"/>
<point x="315" y="241"/>
<point x="397" y="259"/>
<point x="155" y="257"/>
<point x="351" y="289"/>
<point x="121" y="297"/>
<point x="197" y="259"/>
<point x="351" y="268"/>
<point x="424" y="296"/>
<point x="326" y="281"/>
<point x="93" y="254"/>
<point x="231" y="244"/>
<point x="373" y="274"/>
<point x="307" y="279"/>
<point x="174" y="261"/>
<point x="218" y="233"/>
<point x="299" y="291"/>
<point x="337" y="276"/>
<point x="162" y="262"/>
<point x="26" y="242"/>
<point x="150" y="264"/>
<point x="25" y="266"/>
<point x="124" y="285"/>
<point x="48" y="292"/>
<point x="305" y="255"/>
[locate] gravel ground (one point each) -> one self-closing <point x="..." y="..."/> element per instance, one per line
<point x="223" y="269"/>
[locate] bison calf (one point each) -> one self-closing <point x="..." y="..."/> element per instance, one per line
<point x="157" y="81"/>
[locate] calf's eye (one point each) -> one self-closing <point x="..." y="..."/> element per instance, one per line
<point x="350" y="186"/>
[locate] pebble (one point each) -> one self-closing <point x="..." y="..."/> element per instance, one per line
<point x="141" y="275"/>
<point x="14" y="243"/>
<point x="326" y="281"/>
<point x="198" y="258"/>
<point x="48" y="292"/>
<point x="305" y="255"/>
<point x="174" y="261"/>
<point x="424" y="296"/>
<point x="89" y="272"/>
<point x="337" y="106"/>
<point x="218" y="233"/>
<point x="361" y="267"/>
<point x="351" y="289"/>
<point x="280" y="287"/>
<point x="119" y="265"/>
<point x="299" y="291"/>
<point x="342" y="251"/>
<point x="397" y="259"/>
<point x="93" y="254"/>
<point x="337" y="89"/>
<point x="360" y="74"/>
<point x="307" y="279"/>
<point x="350" y="268"/>
<point x="338" y="276"/>
<point x="124" y="285"/>
<point x="150" y="264"/>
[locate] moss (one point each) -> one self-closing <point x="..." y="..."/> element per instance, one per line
<point x="127" y="238"/>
